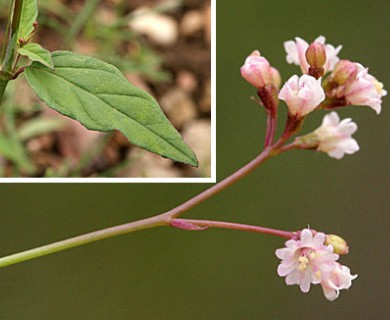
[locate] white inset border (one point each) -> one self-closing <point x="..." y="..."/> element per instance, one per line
<point x="213" y="138"/>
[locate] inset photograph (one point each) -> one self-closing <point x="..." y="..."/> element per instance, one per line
<point x="106" y="89"/>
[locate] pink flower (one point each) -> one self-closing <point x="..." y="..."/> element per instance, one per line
<point x="258" y="72"/>
<point x="305" y="261"/>
<point x="334" y="137"/>
<point x="296" y="53"/>
<point x="302" y="95"/>
<point x="364" y="90"/>
<point x="309" y="261"/>
<point x="340" y="278"/>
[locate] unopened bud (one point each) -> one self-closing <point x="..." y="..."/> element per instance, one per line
<point x="257" y="70"/>
<point x="343" y="71"/>
<point x="316" y="55"/>
<point x="22" y="42"/>
<point x="339" y="244"/>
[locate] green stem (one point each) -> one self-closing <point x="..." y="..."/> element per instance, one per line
<point x="11" y="37"/>
<point x="148" y="223"/>
<point x="7" y="34"/>
<point x="9" y="45"/>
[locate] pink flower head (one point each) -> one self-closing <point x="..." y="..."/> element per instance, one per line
<point x="306" y="260"/>
<point x="340" y="278"/>
<point x="302" y="95"/>
<point x="296" y="53"/>
<point x="334" y="136"/>
<point x="364" y="90"/>
<point x="258" y="72"/>
<point x="309" y="261"/>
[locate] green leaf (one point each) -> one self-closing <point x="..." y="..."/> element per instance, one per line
<point x="35" y="52"/>
<point x="97" y="95"/>
<point x="28" y="17"/>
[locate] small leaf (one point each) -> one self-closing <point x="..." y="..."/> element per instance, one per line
<point x="97" y="95"/>
<point x="35" y="52"/>
<point x="28" y="17"/>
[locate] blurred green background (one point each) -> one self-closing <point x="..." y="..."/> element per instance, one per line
<point x="172" y="274"/>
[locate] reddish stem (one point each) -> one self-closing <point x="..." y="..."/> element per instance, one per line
<point x="316" y="72"/>
<point x="271" y="129"/>
<point x="262" y="157"/>
<point x="17" y="73"/>
<point x="269" y="99"/>
<point x="290" y="146"/>
<point x="232" y="226"/>
<point x="292" y="126"/>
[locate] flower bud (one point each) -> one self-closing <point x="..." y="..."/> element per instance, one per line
<point x="297" y="54"/>
<point x="316" y="55"/>
<point x="343" y="71"/>
<point x="339" y="244"/>
<point x="257" y="70"/>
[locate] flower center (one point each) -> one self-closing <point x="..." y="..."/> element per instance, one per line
<point x="303" y="262"/>
<point x="378" y="87"/>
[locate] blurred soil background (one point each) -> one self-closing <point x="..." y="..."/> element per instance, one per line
<point x="161" y="46"/>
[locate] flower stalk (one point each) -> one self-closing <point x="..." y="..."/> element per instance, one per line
<point x="205" y="224"/>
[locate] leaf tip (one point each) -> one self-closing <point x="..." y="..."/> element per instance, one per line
<point x="194" y="161"/>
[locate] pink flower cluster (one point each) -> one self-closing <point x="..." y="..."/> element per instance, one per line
<point x="327" y="83"/>
<point x="357" y="88"/>
<point x="309" y="260"/>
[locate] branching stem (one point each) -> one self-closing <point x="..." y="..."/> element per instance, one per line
<point x="271" y="149"/>
<point x="159" y="220"/>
